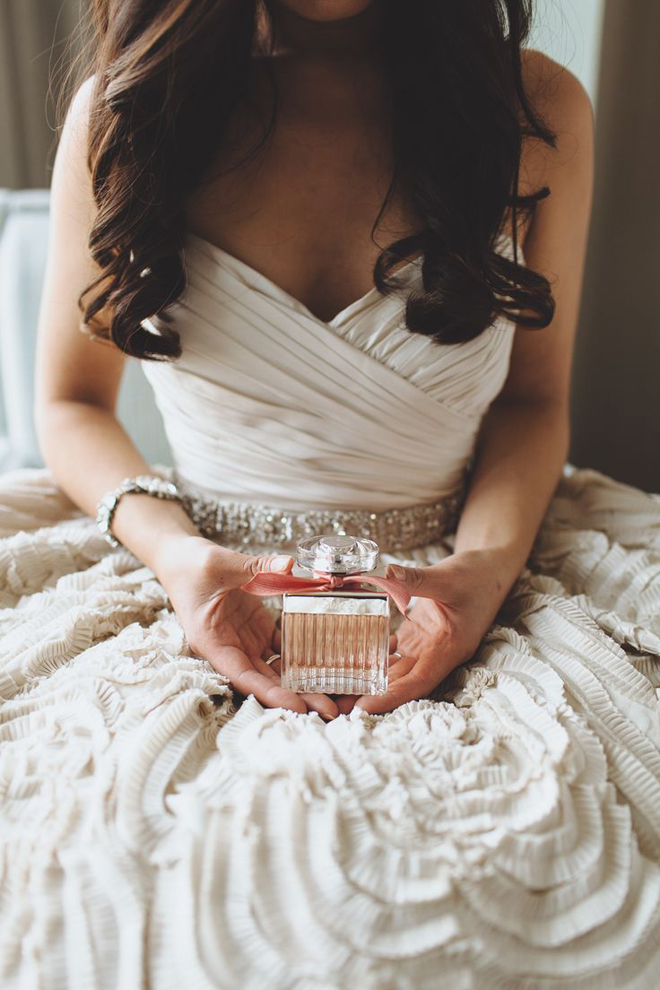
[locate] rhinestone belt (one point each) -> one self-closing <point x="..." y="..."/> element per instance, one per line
<point x="239" y="524"/>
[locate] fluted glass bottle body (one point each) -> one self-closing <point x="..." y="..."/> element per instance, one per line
<point x="335" y="642"/>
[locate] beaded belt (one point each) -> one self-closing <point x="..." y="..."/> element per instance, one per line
<point x="243" y="523"/>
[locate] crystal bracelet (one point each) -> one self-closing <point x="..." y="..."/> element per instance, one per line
<point x="145" y="484"/>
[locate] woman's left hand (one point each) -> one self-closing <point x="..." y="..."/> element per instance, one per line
<point x="458" y="599"/>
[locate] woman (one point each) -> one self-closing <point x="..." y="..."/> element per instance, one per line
<point x="301" y="213"/>
<point x="234" y="191"/>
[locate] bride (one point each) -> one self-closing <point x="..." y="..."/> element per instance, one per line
<point x="304" y="213"/>
<point x="346" y="241"/>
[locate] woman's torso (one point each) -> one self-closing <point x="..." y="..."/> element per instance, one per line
<point x="298" y="385"/>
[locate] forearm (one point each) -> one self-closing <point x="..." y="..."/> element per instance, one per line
<point x="89" y="454"/>
<point x="520" y="454"/>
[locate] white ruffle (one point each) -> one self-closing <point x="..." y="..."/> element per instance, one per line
<point x="504" y="833"/>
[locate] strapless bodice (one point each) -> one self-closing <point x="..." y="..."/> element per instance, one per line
<point x="268" y="403"/>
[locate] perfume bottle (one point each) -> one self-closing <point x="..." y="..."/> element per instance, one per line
<point x="335" y="641"/>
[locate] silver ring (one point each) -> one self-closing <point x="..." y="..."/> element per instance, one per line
<point x="397" y="654"/>
<point x="272" y="659"/>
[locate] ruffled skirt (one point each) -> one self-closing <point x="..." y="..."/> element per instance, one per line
<point x="504" y="833"/>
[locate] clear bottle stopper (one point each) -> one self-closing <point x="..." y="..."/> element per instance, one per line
<point x="337" y="553"/>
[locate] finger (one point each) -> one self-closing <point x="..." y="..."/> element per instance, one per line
<point x="399" y="667"/>
<point x="322" y="704"/>
<point x="420" y="582"/>
<point x="238" y="568"/>
<point x="266" y="668"/>
<point x="276" y="666"/>
<point x="263" y="624"/>
<point x="250" y="641"/>
<point x="280" y="563"/>
<point x="409" y="687"/>
<point x="234" y="664"/>
<point x="345" y="703"/>
<point x="267" y="652"/>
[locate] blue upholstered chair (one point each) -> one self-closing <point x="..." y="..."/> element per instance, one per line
<point x="23" y="245"/>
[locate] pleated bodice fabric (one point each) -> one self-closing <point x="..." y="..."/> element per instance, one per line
<point x="268" y="403"/>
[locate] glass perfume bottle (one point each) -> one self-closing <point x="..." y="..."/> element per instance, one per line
<point x="336" y="641"/>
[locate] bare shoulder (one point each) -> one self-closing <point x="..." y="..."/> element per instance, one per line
<point x="75" y="128"/>
<point x="556" y="237"/>
<point x="72" y="199"/>
<point x="561" y="100"/>
<point x="562" y="103"/>
<point x="82" y="98"/>
<point x="553" y="89"/>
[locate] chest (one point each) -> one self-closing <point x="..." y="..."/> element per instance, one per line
<point x="307" y="209"/>
<point x="302" y="210"/>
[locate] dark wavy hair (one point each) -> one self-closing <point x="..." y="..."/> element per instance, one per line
<point x="167" y="76"/>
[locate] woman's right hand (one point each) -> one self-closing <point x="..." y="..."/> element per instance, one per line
<point x="225" y="625"/>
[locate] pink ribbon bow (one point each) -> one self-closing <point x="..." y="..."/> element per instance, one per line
<point x="270" y="583"/>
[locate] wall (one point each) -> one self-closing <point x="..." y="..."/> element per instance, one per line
<point x="33" y="36"/>
<point x="613" y="48"/>
<point x="616" y="393"/>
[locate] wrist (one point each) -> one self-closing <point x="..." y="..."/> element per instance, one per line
<point x="494" y="569"/>
<point x="150" y="528"/>
<point x="172" y="552"/>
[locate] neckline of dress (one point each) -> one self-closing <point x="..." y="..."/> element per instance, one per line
<point x="257" y="279"/>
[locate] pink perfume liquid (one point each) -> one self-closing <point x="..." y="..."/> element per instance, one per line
<point x="335" y="642"/>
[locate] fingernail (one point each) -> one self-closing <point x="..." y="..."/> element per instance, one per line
<point x="397" y="572"/>
<point x="280" y="563"/>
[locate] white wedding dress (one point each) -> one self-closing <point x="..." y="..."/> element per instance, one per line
<point x="504" y="833"/>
